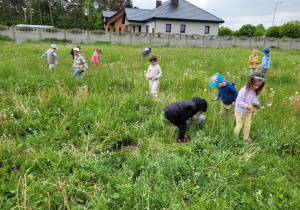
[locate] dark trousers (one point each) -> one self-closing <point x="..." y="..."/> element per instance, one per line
<point x="180" y="124"/>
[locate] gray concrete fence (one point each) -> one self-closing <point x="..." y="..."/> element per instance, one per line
<point x="77" y="36"/>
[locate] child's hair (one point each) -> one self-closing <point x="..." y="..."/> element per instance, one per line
<point x="254" y="50"/>
<point x="257" y="76"/>
<point x="153" y="58"/>
<point x="78" y="46"/>
<point x="98" y="50"/>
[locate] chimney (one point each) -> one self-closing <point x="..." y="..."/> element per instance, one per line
<point x="174" y="2"/>
<point x="158" y="3"/>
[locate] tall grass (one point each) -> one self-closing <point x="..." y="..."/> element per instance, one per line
<point x="63" y="142"/>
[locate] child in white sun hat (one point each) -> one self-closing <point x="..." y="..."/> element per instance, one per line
<point x="51" y="56"/>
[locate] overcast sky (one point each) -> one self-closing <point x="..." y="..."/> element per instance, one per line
<point x="236" y="13"/>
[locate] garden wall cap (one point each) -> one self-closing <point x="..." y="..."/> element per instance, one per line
<point x="76" y="49"/>
<point x="53" y="46"/>
<point x="265" y="51"/>
<point x="215" y="80"/>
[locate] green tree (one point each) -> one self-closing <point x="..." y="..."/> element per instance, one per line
<point x="224" y="31"/>
<point x="290" y="29"/>
<point x="273" y="32"/>
<point x="259" y="30"/>
<point x="247" y="30"/>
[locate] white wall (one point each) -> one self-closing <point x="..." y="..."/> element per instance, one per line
<point x="190" y="27"/>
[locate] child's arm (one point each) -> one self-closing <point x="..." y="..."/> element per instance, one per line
<point x="45" y="54"/>
<point x="263" y="62"/>
<point x="148" y="73"/>
<point x="240" y="101"/>
<point x="84" y="63"/>
<point x="54" y="54"/>
<point x="235" y="94"/>
<point x="159" y="73"/>
<point x="250" y="59"/>
<point x="188" y="113"/>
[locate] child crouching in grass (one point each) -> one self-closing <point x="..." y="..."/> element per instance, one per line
<point x="179" y="112"/>
<point x="247" y="97"/>
<point x="79" y="63"/>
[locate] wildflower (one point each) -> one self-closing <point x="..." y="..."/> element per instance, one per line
<point x="271" y="88"/>
<point x="146" y="92"/>
<point x="273" y="92"/>
<point x="205" y="89"/>
<point x="296" y="93"/>
<point x="269" y="105"/>
<point x="185" y="74"/>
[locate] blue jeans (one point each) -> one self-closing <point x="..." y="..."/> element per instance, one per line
<point x="78" y="72"/>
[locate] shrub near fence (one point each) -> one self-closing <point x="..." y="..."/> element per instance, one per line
<point x="77" y="35"/>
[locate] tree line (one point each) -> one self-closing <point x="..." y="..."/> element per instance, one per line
<point x="82" y="14"/>
<point x="290" y="29"/>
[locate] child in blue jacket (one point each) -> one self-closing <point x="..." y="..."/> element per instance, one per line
<point x="266" y="61"/>
<point x="227" y="93"/>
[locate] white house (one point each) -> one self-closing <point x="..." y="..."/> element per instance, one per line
<point x="174" y="17"/>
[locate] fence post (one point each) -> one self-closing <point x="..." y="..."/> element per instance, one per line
<point x="219" y="37"/>
<point x="13" y="33"/>
<point x="169" y="39"/>
<point x="265" y="42"/>
<point x="249" y="41"/>
<point x="291" y="43"/>
<point x="186" y="39"/>
<point x="40" y="33"/>
<point x="203" y="37"/>
<point x="150" y="38"/>
<point x="130" y="37"/>
<point x="278" y="42"/>
<point x="109" y="36"/>
<point x="234" y="40"/>
<point x="88" y="36"/>
<point x="65" y="33"/>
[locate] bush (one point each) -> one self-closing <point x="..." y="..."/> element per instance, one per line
<point x="54" y="40"/>
<point x="290" y="29"/>
<point x="247" y="30"/>
<point x="224" y="31"/>
<point x="273" y="32"/>
<point x="5" y="39"/>
<point x="259" y="32"/>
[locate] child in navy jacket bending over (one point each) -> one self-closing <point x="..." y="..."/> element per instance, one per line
<point x="179" y="112"/>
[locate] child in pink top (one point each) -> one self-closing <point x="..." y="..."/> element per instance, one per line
<point x="96" y="56"/>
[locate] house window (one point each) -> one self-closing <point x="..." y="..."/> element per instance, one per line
<point x="168" y="27"/>
<point x="182" y="29"/>
<point x="206" y="29"/>
<point x="133" y="29"/>
<point x="140" y="28"/>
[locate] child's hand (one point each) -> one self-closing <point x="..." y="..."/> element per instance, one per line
<point x="154" y="78"/>
<point x="251" y="108"/>
<point x="233" y="103"/>
<point x="42" y="58"/>
<point x="148" y="77"/>
<point x="72" y="67"/>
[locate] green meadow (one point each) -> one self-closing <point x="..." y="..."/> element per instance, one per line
<point x="103" y="142"/>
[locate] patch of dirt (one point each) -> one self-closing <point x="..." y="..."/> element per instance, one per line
<point x="133" y="148"/>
